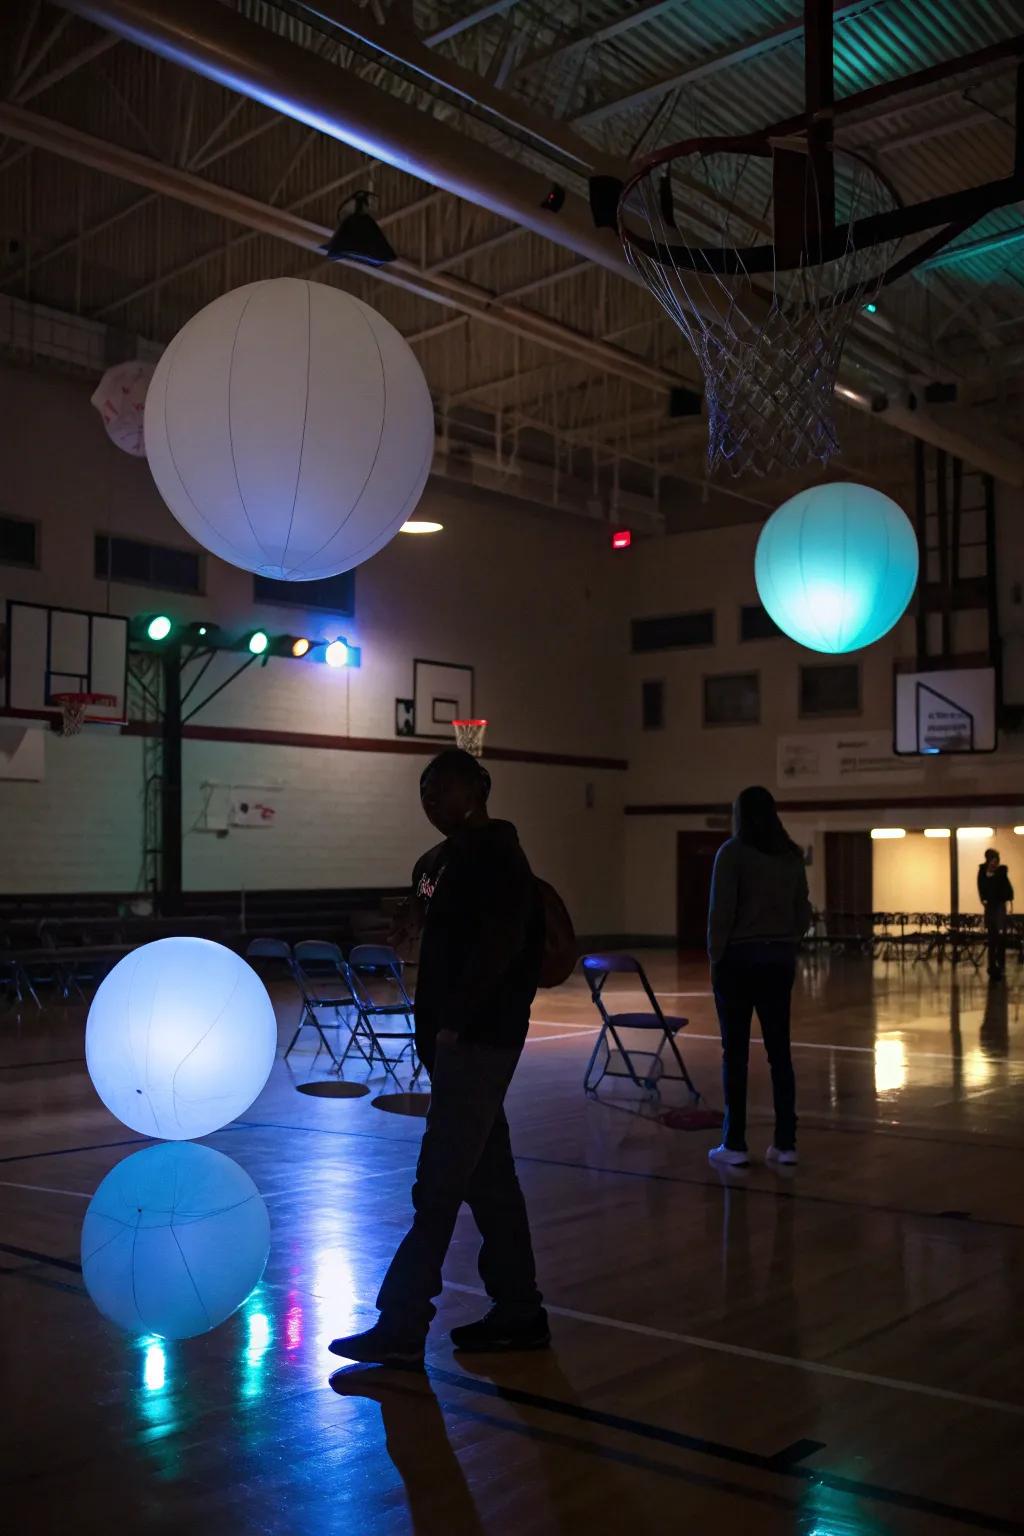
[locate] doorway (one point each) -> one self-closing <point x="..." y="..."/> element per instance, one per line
<point x="695" y="859"/>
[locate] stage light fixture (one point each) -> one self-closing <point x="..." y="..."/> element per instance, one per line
<point x="887" y="834"/>
<point x="258" y="642"/>
<point x="359" y="237"/>
<point x="159" y="627"/>
<point x="337" y="654"/>
<point x="300" y="646"/>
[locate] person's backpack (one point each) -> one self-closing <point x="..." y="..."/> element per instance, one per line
<point x="561" y="951"/>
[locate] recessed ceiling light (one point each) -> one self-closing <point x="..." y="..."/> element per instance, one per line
<point x="419" y="525"/>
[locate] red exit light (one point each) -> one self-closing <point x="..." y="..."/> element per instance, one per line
<point x="622" y="539"/>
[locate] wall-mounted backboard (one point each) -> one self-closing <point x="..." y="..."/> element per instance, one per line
<point x="952" y="710"/>
<point x="441" y="693"/>
<point x="64" y="650"/>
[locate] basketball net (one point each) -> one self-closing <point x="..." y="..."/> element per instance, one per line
<point x="73" y="707"/>
<point x="469" y="735"/>
<point x="768" y="343"/>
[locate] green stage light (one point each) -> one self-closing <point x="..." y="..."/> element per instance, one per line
<point x="159" y="627"/>
<point x="258" y="642"/>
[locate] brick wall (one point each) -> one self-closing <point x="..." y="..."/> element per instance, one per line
<point x="522" y="596"/>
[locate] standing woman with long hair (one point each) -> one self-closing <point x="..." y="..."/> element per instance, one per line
<point x="759" y="911"/>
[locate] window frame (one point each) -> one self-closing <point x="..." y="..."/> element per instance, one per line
<point x="715" y="677"/>
<point x="199" y="590"/>
<point x="685" y="645"/>
<point x="742" y="639"/>
<point x="829" y="714"/>
<point x="35" y="563"/>
<point x="652" y="682"/>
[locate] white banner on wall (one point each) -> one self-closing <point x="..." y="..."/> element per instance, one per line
<point x="846" y="757"/>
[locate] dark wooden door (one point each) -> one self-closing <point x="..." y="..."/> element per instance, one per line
<point x="695" y="859"/>
<point x="848" y="872"/>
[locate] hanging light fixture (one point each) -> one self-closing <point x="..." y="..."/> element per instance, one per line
<point x="358" y="236"/>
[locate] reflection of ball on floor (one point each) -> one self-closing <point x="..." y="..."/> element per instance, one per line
<point x="181" y="1038"/>
<point x="174" y="1240"/>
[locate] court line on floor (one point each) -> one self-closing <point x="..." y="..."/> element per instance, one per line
<point x="45" y="1189"/>
<point x="764" y="1357"/>
<point x="575" y="1031"/>
<point x="797" y="1045"/>
<point x="775" y="1465"/>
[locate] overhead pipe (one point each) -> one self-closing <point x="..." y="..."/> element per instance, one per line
<point x="244" y="57"/>
<point x="455" y="293"/>
<point x="221" y="45"/>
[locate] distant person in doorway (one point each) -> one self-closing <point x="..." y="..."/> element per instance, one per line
<point x="478" y="907"/>
<point x="996" y="893"/>
<point x="758" y="913"/>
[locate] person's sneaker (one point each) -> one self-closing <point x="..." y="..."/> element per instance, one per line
<point x="379" y="1345"/>
<point x="496" y="1334"/>
<point x="785" y="1156"/>
<point x="725" y="1157"/>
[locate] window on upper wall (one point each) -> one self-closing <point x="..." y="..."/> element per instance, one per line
<point x="336" y="594"/>
<point x="147" y="565"/>
<point x="19" y="542"/>
<point x="733" y="698"/>
<point x="756" y="623"/>
<point x="675" y="632"/>
<point x="830" y="689"/>
<point x="652" y="705"/>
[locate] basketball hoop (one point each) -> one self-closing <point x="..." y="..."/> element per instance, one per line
<point x="767" y="321"/>
<point x="469" y="735"/>
<point x="73" y="707"/>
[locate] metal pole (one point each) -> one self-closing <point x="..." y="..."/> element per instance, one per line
<point x="954" y="893"/>
<point x="170" y="820"/>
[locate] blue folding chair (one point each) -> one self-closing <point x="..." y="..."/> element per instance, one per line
<point x="323" y="981"/>
<point x="370" y="968"/>
<point x="597" y="969"/>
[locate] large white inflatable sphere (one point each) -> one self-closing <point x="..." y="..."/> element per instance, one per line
<point x="290" y="430"/>
<point x="174" y="1239"/>
<point x="180" y="1039"/>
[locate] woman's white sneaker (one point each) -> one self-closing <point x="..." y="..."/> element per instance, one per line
<point x="787" y="1159"/>
<point x="725" y="1157"/>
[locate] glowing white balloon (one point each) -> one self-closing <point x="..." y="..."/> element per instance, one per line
<point x="181" y="1038"/>
<point x="289" y="429"/>
<point x="174" y="1239"/>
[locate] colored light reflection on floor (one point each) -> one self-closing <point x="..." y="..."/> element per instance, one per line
<point x="890" y="1065"/>
<point x="154" y="1366"/>
<point x="258" y="1338"/>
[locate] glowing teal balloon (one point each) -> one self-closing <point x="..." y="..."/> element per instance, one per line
<point x="836" y="566"/>
<point x="174" y="1239"/>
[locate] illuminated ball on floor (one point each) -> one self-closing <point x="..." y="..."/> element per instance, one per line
<point x="174" y="1239"/>
<point x="836" y="566"/>
<point x="181" y="1038"/>
<point x="289" y="428"/>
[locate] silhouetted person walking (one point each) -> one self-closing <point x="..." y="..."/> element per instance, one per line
<point x="759" y="911"/>
<point x="996" y="893"/>
<point x="478" y="904"/>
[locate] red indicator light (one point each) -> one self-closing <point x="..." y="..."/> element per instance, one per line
<point x="622" y="539"/>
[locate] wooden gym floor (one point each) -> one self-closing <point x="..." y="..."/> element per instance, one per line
<point x="834" y="1352"/>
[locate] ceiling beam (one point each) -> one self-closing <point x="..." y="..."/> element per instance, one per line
<point x="703" y="69"/>
<point x="439" y="288"/>
<point x="589" y="37"/>
<point x="464" y="23"/>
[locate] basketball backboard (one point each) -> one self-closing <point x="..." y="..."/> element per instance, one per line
<point x="51" y="651"/>
<point x="948" y="711"/>
<point x="442" y="692"/>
